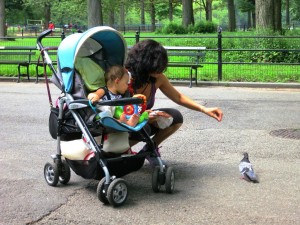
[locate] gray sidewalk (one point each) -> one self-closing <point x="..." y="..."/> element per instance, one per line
<point x="204" y="153"/>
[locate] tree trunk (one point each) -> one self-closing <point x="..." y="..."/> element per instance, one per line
<point x="208" y="10"/>
<point x="143" y="14"/>
<point x="111" y="17"/>
<point x="122" y="14"/>
<point x="152" y="15"/>
<point x="268" y="14"/>
<point x="101" y="13"/>
<point x="2" y="19"/>
<point x="287" y="13"/>
<point x="94" y="8"/>
<point x="47" y="13"/>
<point x="277" y="15"/>
<point x="231" y="16"/>
<point x="187" y="13"/>
<point x="253" y="19"/>
<point x="249" y="23"/>
<point x="170" y="10"/>
<point x="264" y="10"/>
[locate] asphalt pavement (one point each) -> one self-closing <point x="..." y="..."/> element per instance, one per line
<point x="204" y="153"/>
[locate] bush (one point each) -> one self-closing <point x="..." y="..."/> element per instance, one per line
<point x="173" y="28"/>
<point x="205" y="27"/>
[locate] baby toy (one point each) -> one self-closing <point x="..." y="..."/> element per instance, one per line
<point x="130" y="110"/>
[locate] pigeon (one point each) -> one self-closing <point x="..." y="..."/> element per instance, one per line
<point x="246" y="169"/>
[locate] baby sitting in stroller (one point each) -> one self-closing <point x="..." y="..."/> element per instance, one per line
<point x="117" y="79"/>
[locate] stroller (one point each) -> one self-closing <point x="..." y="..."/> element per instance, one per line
<point x="74" y="117"/>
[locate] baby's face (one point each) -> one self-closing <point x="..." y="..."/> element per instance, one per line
<point x="122" y="84"/>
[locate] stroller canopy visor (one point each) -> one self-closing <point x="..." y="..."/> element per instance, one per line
<point x="102" y="39"/>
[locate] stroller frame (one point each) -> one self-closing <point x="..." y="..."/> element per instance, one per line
<point x="111" y="188"/>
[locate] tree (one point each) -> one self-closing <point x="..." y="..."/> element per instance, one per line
<point x="287" y="13"/>
<point x="143" y="14"/>
<point x="187" y="13"/>
<point x="2" y="19"/>
<point x="94" y="8"/>
<point x="248" y="6"/>
<point x="152" y="15"/>
<point x="231" y="15"/>
<point x="208" y="9"/>
<point x="268" y="15"/>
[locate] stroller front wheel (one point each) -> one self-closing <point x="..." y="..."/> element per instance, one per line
<point x="117" y="192"/>
<point x="170" y="180"/>
<point x="101" y="194"/>
<point x="51" y="174"/>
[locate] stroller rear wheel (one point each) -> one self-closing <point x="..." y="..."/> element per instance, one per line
<point x="51" y="174"/>
<point x="170" y="180"/>
<point x="117" y="192"/>
<point x="101" y="194"/>
<point x="65" y="173"/>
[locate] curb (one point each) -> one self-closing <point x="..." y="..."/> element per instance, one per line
<point x="199" y="83"/>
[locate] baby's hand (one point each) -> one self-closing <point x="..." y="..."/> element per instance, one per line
<point x="93" y="97"/>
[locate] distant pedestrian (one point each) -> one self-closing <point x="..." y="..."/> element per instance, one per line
<point x="51" y="26"/>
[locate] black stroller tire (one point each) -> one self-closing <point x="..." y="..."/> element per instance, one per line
<point x="101" y="192"/>
<point x="65" y="173"/>
<point x="117" y="192"/>
<point x="170" y="180"/>
<point x="51" y="174"/>
<point x="155" y="180"/>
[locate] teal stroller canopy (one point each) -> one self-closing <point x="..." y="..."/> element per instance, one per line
<point x="103" y="44"/>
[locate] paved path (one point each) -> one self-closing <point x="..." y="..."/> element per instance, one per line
<point x="205" y="154"/>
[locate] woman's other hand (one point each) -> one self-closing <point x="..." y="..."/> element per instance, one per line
<point x="214" y="113"/>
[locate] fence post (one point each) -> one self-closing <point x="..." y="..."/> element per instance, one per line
<point x="137" y="36"/>
<point x="63" y="35"/>
<point x="219" y="54"/>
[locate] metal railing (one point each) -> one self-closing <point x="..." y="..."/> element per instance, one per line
<point x="228" y="58"/>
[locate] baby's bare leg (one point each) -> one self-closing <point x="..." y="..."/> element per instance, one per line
<point x="123" y="118"/>
<point x="134" y="119"/>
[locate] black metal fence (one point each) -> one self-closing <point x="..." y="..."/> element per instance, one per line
<point x="228" y="58"/>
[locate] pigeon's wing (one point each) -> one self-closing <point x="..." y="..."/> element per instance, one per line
<point x="251" y="175"/>
<point x="244" y="167"/>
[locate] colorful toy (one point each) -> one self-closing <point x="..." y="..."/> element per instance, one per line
<point x="129" y="110"/>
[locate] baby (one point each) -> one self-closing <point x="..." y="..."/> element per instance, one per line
<point x="117" y="79"/>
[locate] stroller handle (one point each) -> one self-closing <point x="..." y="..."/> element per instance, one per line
<point x="115" y="102"/>
<point x="121" y="102"/>
<point x="41" y="36"/>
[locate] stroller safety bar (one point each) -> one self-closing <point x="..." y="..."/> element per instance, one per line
<point x="81" y="103"/>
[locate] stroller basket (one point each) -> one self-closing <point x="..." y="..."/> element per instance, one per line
<point x="88" y="169"/>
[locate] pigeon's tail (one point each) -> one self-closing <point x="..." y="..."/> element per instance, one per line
<point x="251" y="176"/>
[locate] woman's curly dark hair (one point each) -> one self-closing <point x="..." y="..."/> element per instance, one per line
<point x="144" y="58"/>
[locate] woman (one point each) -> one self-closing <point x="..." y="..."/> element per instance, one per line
<point x="147" y="60"/>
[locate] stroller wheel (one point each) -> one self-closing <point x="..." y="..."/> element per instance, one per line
<point x="101" y="191"/>
<point x="117" y="192"/>
<point x="155" y="180"/>
<point x="51" y="174"/>
<point x="65" y="173"/>
<point x="170" y="180"/>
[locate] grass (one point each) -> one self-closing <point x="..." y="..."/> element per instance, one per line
<point x="230" y="72"/>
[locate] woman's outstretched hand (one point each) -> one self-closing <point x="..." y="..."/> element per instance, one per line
<point x="214" y="113"/>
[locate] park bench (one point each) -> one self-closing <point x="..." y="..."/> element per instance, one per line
<point x="18" y="55"/>
<point x="190" y="57"/>
<point x="24" y="56"/>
